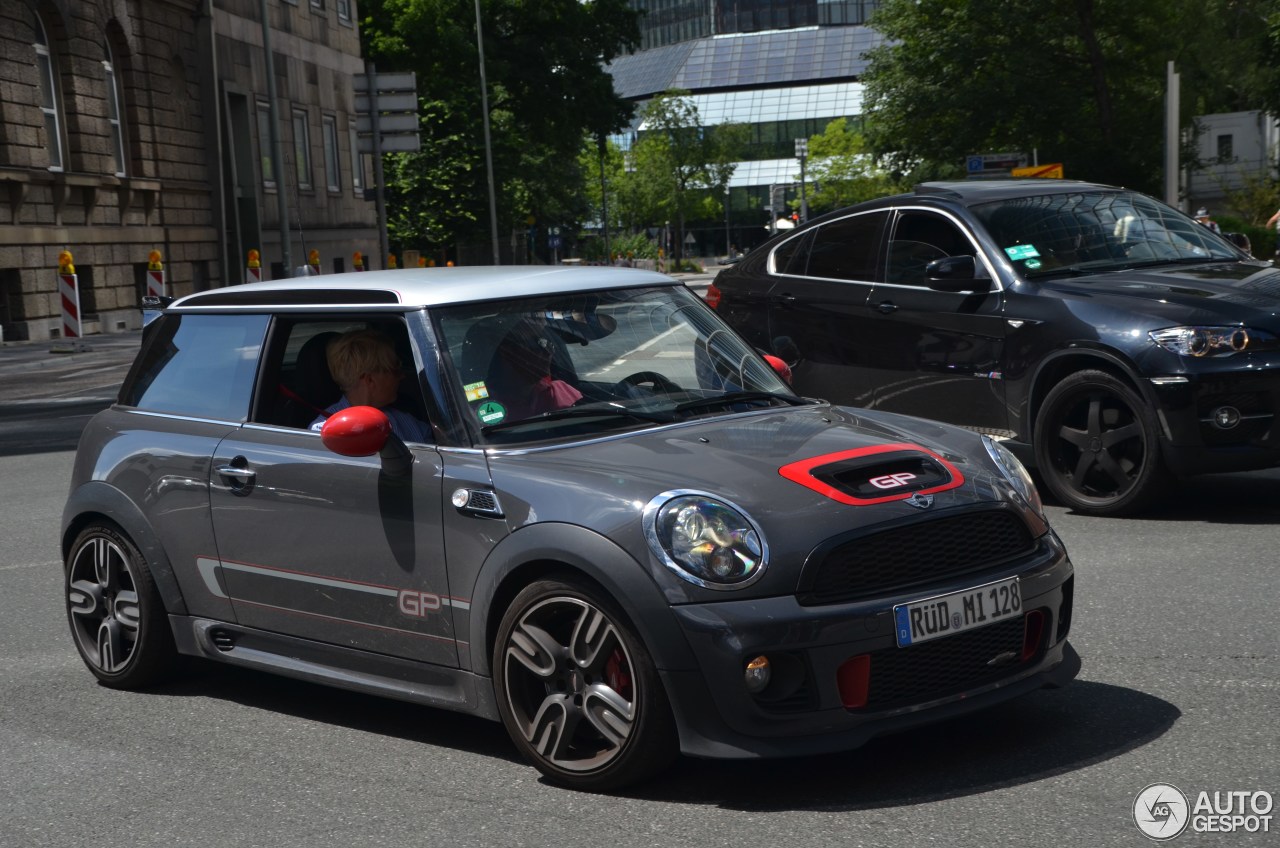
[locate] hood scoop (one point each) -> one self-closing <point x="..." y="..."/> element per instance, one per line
<point x="875" y="474"/>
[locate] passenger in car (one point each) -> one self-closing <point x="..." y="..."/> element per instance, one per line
<point x="365" y="366"/>
<point x="520" y="373"/>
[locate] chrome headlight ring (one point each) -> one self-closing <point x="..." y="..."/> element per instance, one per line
<point x="705" y="539"/>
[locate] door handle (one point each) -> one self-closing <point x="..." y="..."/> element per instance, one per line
<point x="242" y="479"/>
<point x="887" y="306"/>
<point x="786" y="298"/>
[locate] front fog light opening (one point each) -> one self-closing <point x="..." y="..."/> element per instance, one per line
<point x="777" y="680"/>
<point x="1226" y="417"/>
<point x="758" y="674"/>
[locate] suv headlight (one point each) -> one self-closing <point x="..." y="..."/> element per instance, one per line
<point x="1204" y="341"/>
<point x="705" y="540"/>
<point x="1015" y="472"/>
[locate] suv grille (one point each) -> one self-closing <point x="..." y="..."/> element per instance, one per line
<point x="914" y="554"/>
<point x="945" y="666"/>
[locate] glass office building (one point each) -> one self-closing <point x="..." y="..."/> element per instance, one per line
<point x="785" y="68"/>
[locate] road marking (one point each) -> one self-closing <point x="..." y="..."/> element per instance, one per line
<point x="48" y="564"/>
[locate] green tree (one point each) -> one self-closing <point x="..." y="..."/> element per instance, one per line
<point x="683" y="165"/>
<point x="1079" y="81"/>
<point x="544" y="62"/>
<point x="841" y="165"/>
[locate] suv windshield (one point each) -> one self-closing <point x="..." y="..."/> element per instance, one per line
<point x="1095" y="232"/>
<point x="565" y="365"/>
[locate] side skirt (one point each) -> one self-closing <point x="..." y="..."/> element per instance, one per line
<point x="334" y="665"/>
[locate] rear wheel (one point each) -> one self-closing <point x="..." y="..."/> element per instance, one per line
<point x="1097" y="445"/>
<point x="115" y="611"/>
<point x="578" y="691"/>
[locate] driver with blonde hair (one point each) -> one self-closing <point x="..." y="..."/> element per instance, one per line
<point x="365" y="366"/>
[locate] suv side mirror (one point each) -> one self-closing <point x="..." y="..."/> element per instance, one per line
<point x="956" y="274"/>
<point x="364" y="431"/>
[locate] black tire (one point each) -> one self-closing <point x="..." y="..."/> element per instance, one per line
<point x="1097" y="446"/>
<point x="117" y="618"/>
<point x="578" y="691"/>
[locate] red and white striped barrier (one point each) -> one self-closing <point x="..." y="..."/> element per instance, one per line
<point x="69" y="292"/>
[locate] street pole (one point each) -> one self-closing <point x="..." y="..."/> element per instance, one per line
<point x="277" y="158"/>
<point x="802" y="153"/>
<point x="604" y="200"/>
<point x="728" y="249"/>
<point x="379" y="190"/>
<point x="488" y="146"/>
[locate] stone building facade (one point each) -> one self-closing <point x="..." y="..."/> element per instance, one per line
<point x="128" y="126"/>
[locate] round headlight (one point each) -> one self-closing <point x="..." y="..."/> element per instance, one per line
<point x="1015" y="472"/>
<point x="705" y="540"/>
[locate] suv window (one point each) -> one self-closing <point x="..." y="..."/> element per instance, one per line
<point x="197" y="365"/>
<point x="847" y="249"/>
<point x="918" y="239"/>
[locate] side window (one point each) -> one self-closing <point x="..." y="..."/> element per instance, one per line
<point x="792" y="255"/>
<point x="297" y="385"/>
<point x="918" y="239"/>
<point x="847" y="249"/>
<point x="197" y="365"/>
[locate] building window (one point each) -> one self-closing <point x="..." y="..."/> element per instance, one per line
<point x="1226" y="152"/>
<point x="115" y="114"/>
<point x="264" y="146"/>
<point x="317" y="4"/>
<point x="357" y="162"/>
<point x="50" y="102"/>
<point x="344" y="10"/>
<point x="302" y="149"/>
<point x="332" y="178"/>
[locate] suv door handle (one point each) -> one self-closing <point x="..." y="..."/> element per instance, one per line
<point x="786" y="298"/>
<point x="887" y="306"/>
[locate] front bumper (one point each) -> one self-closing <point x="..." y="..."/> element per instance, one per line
<point x="719" y="718"/>
<point x="1245" y="438"/>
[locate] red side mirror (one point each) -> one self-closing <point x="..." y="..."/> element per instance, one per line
<point x="356" y="431"/>
<point x="783" y="369"/>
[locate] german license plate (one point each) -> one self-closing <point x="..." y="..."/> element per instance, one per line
<point x="945" y="615"/>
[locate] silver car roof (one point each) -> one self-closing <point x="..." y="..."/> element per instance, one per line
<point x="418" y="287"/>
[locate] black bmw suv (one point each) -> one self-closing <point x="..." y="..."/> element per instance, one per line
<point x="1111" y="339"/>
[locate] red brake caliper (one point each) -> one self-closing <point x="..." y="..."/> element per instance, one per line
<point x="615" y="668"/>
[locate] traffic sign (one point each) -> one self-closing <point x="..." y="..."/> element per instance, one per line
<point x="986" y="164"/>
<point x="402" y="102"/>
<point x="1053" y="172"/>
<point x="387" y="123"/>
<point x="398" y="81"/>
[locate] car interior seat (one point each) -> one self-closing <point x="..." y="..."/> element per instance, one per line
<point x="312" y="388"/>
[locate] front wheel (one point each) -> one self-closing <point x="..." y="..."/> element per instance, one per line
<point x="1097" y="445"/>
<point x="578" y="691"/>
<point x="114" y="608"/>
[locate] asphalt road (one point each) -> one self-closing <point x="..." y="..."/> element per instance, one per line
<point x="1174" y="619"/>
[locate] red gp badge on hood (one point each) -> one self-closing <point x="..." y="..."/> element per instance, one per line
<point x="897" y="485"/>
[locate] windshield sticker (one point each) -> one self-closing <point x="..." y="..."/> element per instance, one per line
<point x="1032" y="264"/>
<point x="491" y="412"/>
<point x="476" y="391"/>
<point x="1022" y="251"/>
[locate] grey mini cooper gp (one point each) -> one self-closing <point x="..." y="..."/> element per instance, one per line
<point x="568" y="499"/>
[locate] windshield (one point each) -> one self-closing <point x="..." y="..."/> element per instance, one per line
<point x="571" y="365"/>
<point x="1095" y="232"/>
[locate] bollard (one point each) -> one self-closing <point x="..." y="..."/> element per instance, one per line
<point x="155" y="275"/>
<point x="69" y="292"/>
<point x="253" y="268"/>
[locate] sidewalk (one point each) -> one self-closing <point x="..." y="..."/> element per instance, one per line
<point x="45" y="353"/>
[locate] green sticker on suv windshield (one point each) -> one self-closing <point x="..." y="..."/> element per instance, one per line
<point x="1032" y="264"/>
<point x="1022" y="251"/>
<point x="491" y="412"/>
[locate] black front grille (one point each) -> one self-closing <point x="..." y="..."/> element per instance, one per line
<point x="946" y="666"/>
<point x="915" y="554"/>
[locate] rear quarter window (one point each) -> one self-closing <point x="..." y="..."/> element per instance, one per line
<point x="197" y="365"/>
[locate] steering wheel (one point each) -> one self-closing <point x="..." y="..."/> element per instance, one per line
<point x="643" y="378"/>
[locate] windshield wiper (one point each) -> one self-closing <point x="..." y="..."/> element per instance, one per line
<point x="730" y="398"/>
<point x="579" y="412"/>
